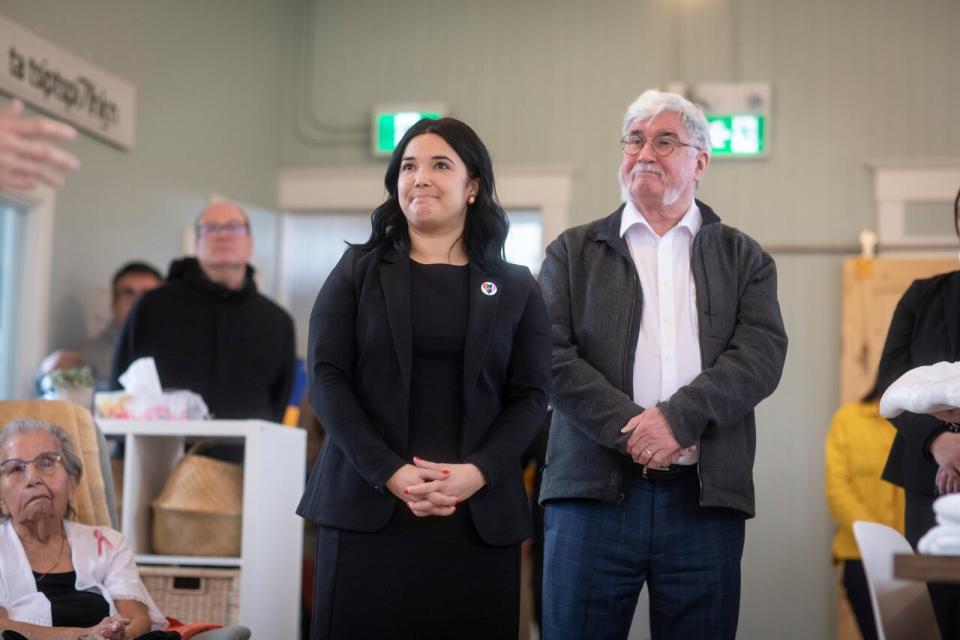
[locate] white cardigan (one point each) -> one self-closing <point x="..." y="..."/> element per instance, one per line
<point x="103" y="562"/>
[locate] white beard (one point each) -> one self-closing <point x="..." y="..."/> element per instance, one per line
<point x="670" y="195"/>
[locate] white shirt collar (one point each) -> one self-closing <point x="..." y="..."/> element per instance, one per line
<point x="692" y="219"/>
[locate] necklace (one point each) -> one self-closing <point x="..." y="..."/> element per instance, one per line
<point x="63" y="540"/>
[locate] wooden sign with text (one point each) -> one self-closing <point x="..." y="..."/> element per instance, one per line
<point x="55" y="81"/>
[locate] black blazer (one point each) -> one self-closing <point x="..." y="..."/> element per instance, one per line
<point x="923" y="331"/>
<point x="359" y="366"/>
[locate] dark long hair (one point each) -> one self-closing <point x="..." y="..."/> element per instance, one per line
<point x="956" y="214"/>
<point x="486" y="225"/>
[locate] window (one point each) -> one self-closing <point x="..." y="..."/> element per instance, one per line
<point x="525" y="240"/>
<point x="914" y="200"/>
<point x="11" y="241"/>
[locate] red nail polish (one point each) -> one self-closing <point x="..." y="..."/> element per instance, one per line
<point x="405" y="491"/>
<point x="446" y="471"/>
<point x="457" y="502"/>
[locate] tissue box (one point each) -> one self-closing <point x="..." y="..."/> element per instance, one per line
<point x="169" y="405"/>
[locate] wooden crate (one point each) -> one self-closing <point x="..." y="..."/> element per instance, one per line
<point x="871" y="290"/>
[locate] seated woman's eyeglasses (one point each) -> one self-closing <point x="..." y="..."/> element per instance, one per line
<point x="15" y="468"/>
<point x="662" y="145"/>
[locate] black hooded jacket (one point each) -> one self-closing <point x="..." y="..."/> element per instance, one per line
<point x="233" y="347"/>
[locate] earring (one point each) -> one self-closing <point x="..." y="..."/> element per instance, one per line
<point x="471" y="199"/>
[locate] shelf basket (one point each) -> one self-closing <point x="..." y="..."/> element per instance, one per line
<point x="199" y="511"/>
<point x="192" y="594"/>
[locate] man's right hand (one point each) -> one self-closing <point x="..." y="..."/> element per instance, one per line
<point x="651" y="441"/>
<point x="946" y="451"/>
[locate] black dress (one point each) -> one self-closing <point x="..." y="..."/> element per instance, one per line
<point x="428" y="577"/>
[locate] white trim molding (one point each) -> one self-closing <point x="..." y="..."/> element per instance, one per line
<point x="545" y="188"/>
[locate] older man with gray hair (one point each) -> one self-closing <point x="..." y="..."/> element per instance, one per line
<point x="667" y="334"/>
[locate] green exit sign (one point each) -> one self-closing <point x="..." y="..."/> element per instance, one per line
<point x="737" y="135"/>
<point x="389" y="124"/>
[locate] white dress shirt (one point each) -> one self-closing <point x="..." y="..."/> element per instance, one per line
<point x="668" y="348"/>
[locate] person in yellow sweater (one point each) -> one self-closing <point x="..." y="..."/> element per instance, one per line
<point x="856" y="450"/>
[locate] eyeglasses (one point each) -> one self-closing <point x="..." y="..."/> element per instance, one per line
<point x="662" y="145"/>
<point x="230" y="228"/>
<point x="16" y="469"/>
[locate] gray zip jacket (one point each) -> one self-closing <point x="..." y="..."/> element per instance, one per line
<point x="593" y="296"/>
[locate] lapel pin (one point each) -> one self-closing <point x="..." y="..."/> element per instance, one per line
<point x="488" y="288"/>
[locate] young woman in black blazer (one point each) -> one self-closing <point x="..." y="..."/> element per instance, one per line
<point x="925" y="456"/>
<point x="429" y="362"/>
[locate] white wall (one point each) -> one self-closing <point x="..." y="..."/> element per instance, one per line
<point x="547" y="81"/>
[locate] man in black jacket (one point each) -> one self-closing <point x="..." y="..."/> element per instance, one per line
<point x="210" y="330"/>
<point x="666" y="334"/>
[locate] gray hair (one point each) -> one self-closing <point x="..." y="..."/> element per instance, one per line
<point x="652" y="103"/>
<point x="71" y="459"/>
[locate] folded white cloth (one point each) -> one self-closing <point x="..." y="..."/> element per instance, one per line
<point x="947" y="509"/>
<point x="943" y="539"/>
<point x="923" y="390"/>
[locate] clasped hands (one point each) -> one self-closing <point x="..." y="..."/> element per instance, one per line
<point x="946" y="451"/>
<point x="110" y="628"/>
<point x="651" y="442"/>
<point x="434" y="488"/>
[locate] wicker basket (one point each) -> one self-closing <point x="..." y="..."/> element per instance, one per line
<point x="199" y="511"/>
<point x="192" y="594"/>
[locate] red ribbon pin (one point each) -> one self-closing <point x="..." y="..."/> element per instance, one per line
<point x="101" y="541"/>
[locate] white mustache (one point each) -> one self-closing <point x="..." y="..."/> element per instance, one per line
<point x="646" y="167"/>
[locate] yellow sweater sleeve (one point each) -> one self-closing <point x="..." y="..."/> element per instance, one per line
<point x="845" y="505"/>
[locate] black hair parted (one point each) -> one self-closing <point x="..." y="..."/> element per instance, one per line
<point x="486" y="226"/>
<point x="135" y="267"/>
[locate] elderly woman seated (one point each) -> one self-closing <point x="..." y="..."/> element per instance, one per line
<point x="59" y="578"/>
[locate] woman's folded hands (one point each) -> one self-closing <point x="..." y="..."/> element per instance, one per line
<point x="435" y="488"/>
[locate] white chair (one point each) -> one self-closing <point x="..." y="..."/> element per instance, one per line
<point x="901" y="608"/>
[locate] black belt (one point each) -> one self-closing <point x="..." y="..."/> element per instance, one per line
<point x="672" y="472"/>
